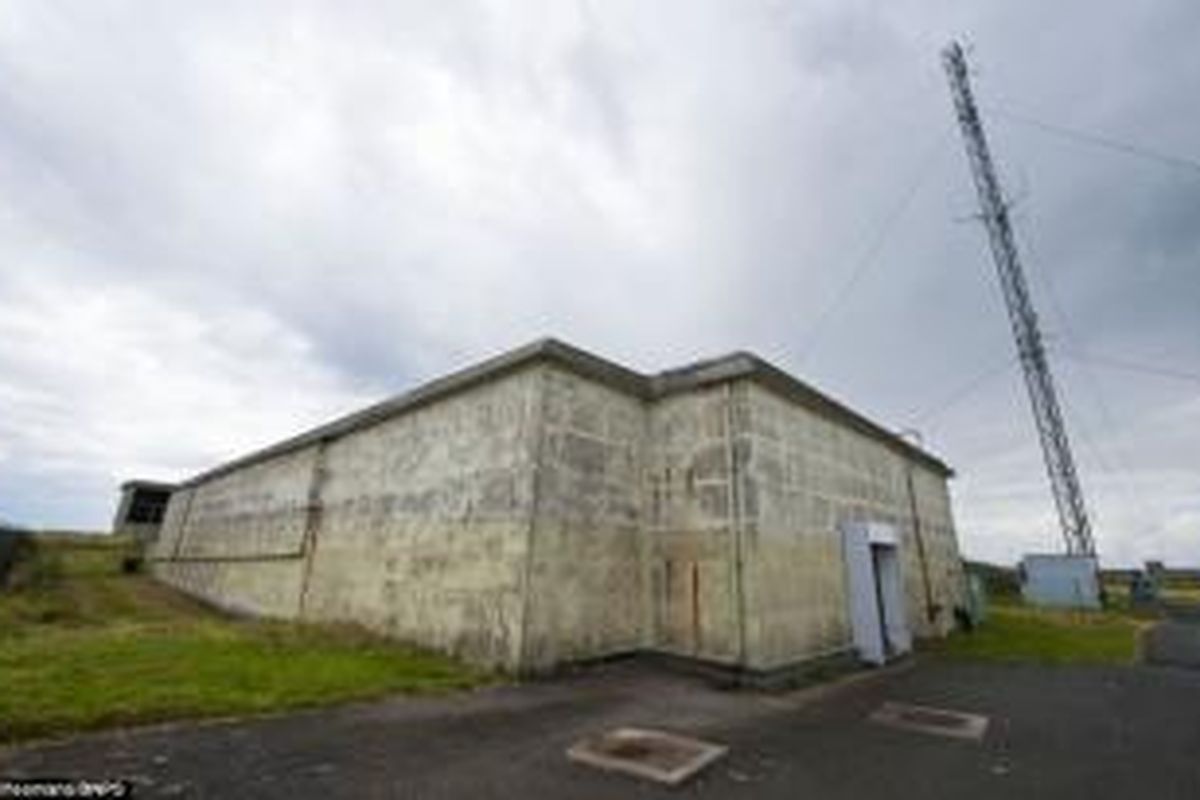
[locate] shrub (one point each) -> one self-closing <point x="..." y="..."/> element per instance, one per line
<point x="17" y="548"/>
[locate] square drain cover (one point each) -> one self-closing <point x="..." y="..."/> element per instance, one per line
<point x="656" y="755"/>
<point x="931" y="720"/>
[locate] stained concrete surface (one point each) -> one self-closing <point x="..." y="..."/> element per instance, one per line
<point x="1061" y="732"/>
<point x="550" y="506"/>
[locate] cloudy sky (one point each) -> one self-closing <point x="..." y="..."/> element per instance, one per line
<point x="223" y="222"/>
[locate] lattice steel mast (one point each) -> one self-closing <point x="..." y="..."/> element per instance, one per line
<point x="1064" y="482"/>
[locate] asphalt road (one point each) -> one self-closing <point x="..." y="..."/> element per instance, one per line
<point x="1176" y="641"/>
<point x="1069" y="732"/>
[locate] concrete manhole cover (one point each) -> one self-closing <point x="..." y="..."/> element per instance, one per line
<point x="655" y="755"/>
<point x="939" y="721"/>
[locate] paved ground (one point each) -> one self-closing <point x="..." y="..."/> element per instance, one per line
<point x="1055" y="733"/>
<point x="1175" y="642"/>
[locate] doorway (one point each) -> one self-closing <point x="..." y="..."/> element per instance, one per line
<point x="875" y="591"/>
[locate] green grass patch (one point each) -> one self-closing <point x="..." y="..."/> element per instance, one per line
<point x="1179" y="592"/>
<point x="1016" y="633"/>
<point x="94" y="648"/>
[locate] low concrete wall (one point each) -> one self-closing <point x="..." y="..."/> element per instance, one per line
<point x="237" y="540"/>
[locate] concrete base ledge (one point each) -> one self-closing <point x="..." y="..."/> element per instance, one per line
<point x="786" y="677"/>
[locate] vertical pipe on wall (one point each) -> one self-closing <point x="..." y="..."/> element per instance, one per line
<point x="735" y="523"/>
<point x="313" y="511"/>
<point x="183" y="522"/>
<point x="647" y="521"/>
<point x="931" y="609"/>
<point x="535" y="490"/>
<point x="697" y="641"/>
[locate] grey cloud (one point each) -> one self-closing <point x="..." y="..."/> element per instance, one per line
<point x="393" y="190"/>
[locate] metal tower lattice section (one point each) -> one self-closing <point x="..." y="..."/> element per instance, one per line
<point x="1064" y="482"/>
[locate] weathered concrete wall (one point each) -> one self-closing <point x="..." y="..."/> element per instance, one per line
<point x="540" y="516"/>
<point x="587" y="583"/>
<point x="141" y="532"/>
<point x="416" y="526"/>
<point x="425" y="522"/>
<point x="804" y="476"/>
<point x="691" y="527"/>
<point x="237" y="540"/>
<point x="266" y="588"/>
<point x="943" y="561"/>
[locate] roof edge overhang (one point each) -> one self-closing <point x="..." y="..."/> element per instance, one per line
<point x="138" y="483"/>
<point x="747" y="366"/>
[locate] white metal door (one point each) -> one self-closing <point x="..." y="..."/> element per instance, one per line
<point x="891" y="592"/>
<point x="861" y="594"/>
<point x="875" y="591"/>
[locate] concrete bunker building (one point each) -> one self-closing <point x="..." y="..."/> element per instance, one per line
<point x="548" y="506"/>
<point x="140" y="510"/>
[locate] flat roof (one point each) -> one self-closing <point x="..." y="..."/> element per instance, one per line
<point x="731" y="367"/>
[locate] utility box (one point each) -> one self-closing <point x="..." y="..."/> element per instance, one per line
<point x="1143" y="589"/>
<point x="1061" y="581"/>
<point x="976" y="600"/>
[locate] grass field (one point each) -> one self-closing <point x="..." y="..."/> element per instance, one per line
<point x="1177" y="591"/>
<point x="1180" y="592"/>
<point x="1017" y="633"/>
<point x="87" y="647"/>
